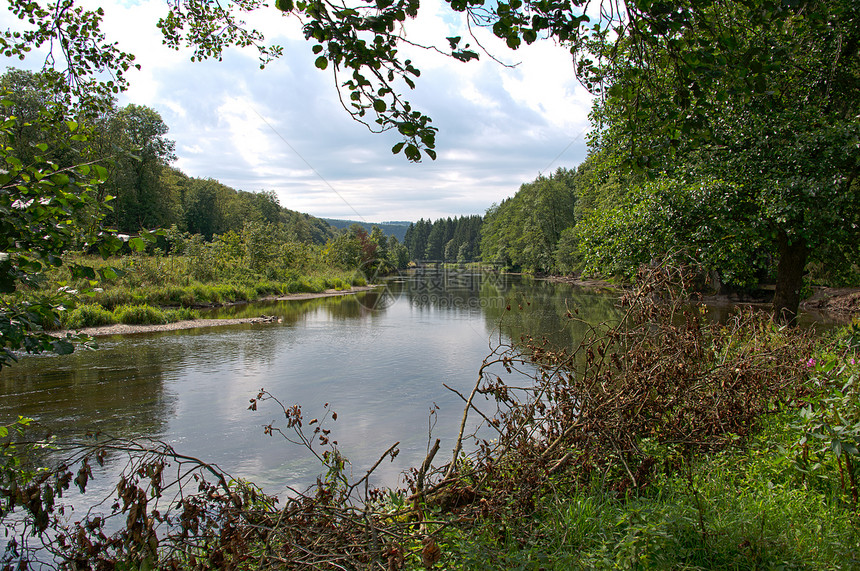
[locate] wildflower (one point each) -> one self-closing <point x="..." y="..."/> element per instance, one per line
<point x="810" y="363"/>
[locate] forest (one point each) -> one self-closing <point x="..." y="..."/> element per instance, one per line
<point x="130" y="238"/>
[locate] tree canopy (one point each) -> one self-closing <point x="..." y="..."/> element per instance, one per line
<point x="752" y="102"/>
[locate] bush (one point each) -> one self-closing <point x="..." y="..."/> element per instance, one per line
<point x="140" y="315"/>
<point x="180" y="314"/>
<point x="90" y="315"/>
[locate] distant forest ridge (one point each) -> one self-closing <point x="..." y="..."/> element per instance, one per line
<point x="395" y="228"/>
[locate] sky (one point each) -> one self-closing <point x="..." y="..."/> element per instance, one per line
<point x="283" y="128"/>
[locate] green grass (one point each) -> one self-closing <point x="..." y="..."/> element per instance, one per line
<point x="140" y="315"/>
<point x="94" y="315"/>
<point x="89" y="315"/>
<point x="758" y="513"/>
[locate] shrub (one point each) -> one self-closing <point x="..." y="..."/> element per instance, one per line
<point x="90" y="315"/>
<point x="180" y="314"/>
<point x="140" y="315"/>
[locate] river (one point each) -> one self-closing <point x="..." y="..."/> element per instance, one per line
<point x="379" y="360"/>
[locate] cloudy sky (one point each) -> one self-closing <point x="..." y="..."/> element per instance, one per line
<point x="283" y="129"/>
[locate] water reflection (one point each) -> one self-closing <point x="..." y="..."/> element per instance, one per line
<point x="381" y="366"/>
<point x="118" y="389"/>
<point x="297" y="311"/>
<point x="378" y="358"/>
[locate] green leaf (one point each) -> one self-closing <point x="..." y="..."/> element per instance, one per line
<point x="137" y="244"/>
<point x="398" y="147"/>
<point x="412" y="153"/>
<point x="379" y="106"/>
<point x="321" y="62"/>
<point x="284" y="5"/>
<point x="72" y="125"/>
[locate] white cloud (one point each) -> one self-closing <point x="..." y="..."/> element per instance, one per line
<point x="284" y="129"/>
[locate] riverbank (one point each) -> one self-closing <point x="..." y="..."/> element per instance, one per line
<point x="705" y="459"/>
<point x="839" y="303"/>
<point x="124" y="329"/>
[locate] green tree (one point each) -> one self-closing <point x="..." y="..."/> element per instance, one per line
<point x="139" y="152"/>
<point x="524" y="230"/>
<point x="46" y="211"/>
<point x="343" y="251"/>
<point x="203" y="214"/>
<point x="32" y="99"/>
<point x="435" y="248"/>
<point x="398" y="254"/>
<point x="770" y="111"/>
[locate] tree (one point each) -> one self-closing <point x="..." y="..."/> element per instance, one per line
<point x="139" y="152"/>
<point x="378" y="238"/>
<point x="30" y="96"/>
<point x="435" y="248"/>
<point x="46" y="211"/>
<point x="524" y="230"/>
<point x="669" y="71"/>
<point x="202" y="212"/>
<point x="398" y="254"/>
<point x="770" y="114"/>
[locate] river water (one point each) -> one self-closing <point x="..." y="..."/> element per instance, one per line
<point x="379" y="360"/>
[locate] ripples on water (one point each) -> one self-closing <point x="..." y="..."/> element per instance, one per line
<point x="381" y="370"/>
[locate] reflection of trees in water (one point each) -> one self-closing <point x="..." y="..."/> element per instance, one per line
<point x="537" y="307"/>
<point x="540" y="308"/>
<point x="296" y="311"/>
<point x="117" y="389"/>
<point x="452" y="288"/>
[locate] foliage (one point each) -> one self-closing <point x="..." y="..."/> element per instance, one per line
<point x="166" y="283"/>
<point x="830" y="419"/>
<point x="758" y="517"/>
<point x="46" y="211"/>
<point x="707" y="223"/>
<point x="523" y="231"/>
<point x="715" y="101"/>
<point x="658" y="389"/>
<point x="91" y="68"/>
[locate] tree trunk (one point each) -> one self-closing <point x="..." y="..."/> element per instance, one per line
<point x="789" y="279"/>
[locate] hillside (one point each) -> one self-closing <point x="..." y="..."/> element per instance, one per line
<point x="396" y="228"/>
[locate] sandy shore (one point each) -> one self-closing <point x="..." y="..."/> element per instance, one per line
<point x="122" y="329"/>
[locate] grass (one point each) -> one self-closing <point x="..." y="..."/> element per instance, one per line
<point x="94" y="315"/>
<point x="166" y="283"/>
<point x="757" y="512"/>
